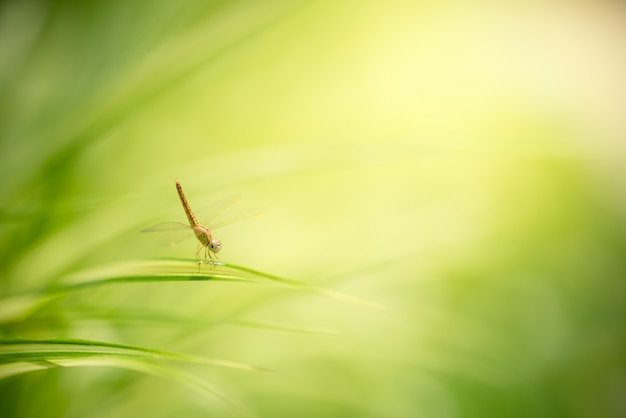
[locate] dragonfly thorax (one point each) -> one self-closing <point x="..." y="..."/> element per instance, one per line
<point x="205" y="237"/>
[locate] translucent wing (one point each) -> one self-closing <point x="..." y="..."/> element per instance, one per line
<point x="233" y="216"/>
<point x="213" y="212"/>
<point x="171" y="232"/>
<point x="167" y="226"/>
<point x="220" y="214"/>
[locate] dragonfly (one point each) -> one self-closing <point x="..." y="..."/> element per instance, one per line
<point x="203" y="231"/>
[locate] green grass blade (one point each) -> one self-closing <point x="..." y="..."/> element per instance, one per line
<point x="304" y="286"/>
<point x="17" y="307"/>
<point x="43" y="350"/>
<point x="143" y="318"/>
<point x="142" y="365"/>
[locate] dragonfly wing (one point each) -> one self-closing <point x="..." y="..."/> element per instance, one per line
<point x="233" y="216"/>
<point x="215" y="210"/>
<point x="167" y="226"/>
<point x="171" y="233"/>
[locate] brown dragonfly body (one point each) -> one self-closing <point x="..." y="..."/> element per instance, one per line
<point x="202" y="233"/>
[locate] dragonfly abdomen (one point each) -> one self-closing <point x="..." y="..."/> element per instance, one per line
<point x="193" y="221"/>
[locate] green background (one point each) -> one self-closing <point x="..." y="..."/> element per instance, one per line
<point x="460" y="164"/>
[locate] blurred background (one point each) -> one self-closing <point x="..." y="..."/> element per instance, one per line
<point x="460" y="163"/>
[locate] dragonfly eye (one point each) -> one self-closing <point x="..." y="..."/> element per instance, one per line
<point x="215" y="246"/>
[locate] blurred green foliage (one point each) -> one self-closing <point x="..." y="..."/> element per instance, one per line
<point x="461" y="164"/>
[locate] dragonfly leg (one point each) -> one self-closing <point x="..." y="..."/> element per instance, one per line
<point x="199" y="248"/>
<point x="209" y="255"/>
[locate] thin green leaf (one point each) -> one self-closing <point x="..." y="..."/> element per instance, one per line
<point x="141" y="317"/>
<point x="303" y="286"/>
<point x="19" y="349"/>
<point x="137" y="364"/>
<point x="17" y="307"/>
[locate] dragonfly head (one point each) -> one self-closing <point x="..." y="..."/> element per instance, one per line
<point x="215" y="246"/>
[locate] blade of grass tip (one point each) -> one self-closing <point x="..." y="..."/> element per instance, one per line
<point x="16" y="347"/>
<point x="300" y="285"/>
